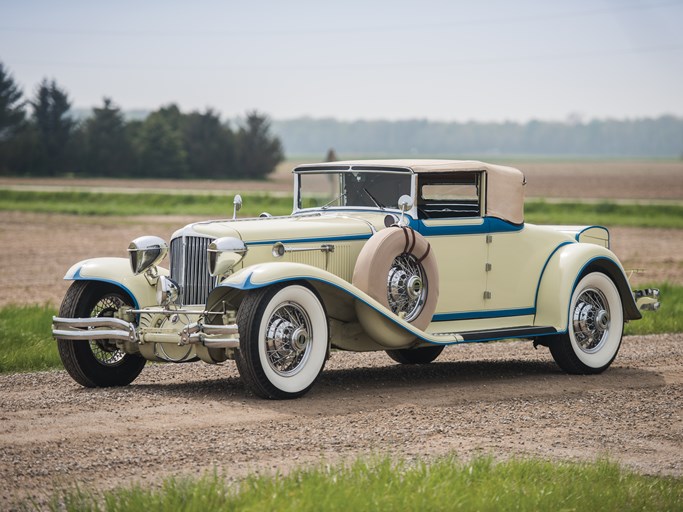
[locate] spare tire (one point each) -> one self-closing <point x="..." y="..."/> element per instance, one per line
<point x="397" y="268"/>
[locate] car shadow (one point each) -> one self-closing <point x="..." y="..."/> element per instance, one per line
<point x="362" y="387"/>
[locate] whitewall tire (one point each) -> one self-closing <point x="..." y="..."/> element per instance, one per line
<point x="595" y="327"/>
<point x="284" y="340"/>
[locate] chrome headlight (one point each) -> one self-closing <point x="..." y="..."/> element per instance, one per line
<point x="145" y="252"/>
<point x="224" y="254"/>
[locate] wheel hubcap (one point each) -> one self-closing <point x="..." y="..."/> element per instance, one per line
<point x="591" y="320"/>
<point x="406" y="289"/>
<point x="288" y="338"/>
<point x="106" y="352"/>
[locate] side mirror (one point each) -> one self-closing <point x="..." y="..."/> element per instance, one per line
<point x="237" y="206"/>
<point x="405" y="203"/>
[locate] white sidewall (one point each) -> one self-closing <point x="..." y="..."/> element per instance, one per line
<point x="316" y="358"/>
<point x="610" y="347"/>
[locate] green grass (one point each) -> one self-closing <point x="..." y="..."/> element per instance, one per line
<point x="27" y="344"/>
<point x="669" y="318"/>
<point x="94" y="203"/>
<point x="220" y="205"/>
<point x="444" y="484"/>
<point x="26" y="340"/>
<point x="605" y="214"/>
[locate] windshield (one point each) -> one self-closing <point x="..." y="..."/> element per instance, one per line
<point x="352" y="189"/>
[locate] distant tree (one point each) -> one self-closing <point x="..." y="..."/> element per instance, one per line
<point x="13" y="142"/>
<point x="210" y="145"/>
<point x="106" y="148"/>
<point x="12" y="111"/>
<point x="159" y="145"/>
<point x="258" y="152"/>
<point x="52" y="130"/>
<point x="331" y="155"/>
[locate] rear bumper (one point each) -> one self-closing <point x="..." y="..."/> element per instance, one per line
<point x="647" y="299"/>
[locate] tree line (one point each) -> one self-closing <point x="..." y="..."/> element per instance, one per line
<point x="39" y="137"/>
<point x="649" y="137"/>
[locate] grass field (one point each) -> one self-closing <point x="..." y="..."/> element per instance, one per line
<point x="26" y="339"/>
<point x="444" y="484"/>
<point x="219" y="206"/>
<point x="27" y="344"/>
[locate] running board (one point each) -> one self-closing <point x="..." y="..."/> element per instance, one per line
<point x="527" y="331"/>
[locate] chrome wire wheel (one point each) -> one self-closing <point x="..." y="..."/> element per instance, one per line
<point x="288" y="339"/>
<point x="595" y="327"/>
<point x="104" y="351"/>
<point x="591" y="320"/>
<point x="406" y="287"/>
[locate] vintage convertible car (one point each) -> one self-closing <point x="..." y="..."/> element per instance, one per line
<point x="400" y="256"/>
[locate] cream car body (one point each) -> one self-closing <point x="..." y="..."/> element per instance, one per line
<point x="498" y="278"/>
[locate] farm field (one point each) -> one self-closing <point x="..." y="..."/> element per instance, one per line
<point x="504" y="399"/>
<point x="599" y="179"/>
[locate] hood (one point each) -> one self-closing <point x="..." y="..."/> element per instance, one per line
<point x="283" y="229"/>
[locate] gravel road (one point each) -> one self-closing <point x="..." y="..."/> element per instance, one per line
<point x="505" y="399"/>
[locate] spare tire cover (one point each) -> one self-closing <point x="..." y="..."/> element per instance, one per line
<point x="397" y="268"/>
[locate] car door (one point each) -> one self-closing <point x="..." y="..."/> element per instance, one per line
<point x="449" y="216"/>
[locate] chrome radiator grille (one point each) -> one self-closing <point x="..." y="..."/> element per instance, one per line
<point x="189" y="268"/>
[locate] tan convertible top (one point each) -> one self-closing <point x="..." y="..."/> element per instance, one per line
<point x="504" y="185"/>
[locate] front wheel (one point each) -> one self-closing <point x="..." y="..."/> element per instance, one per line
<point x="283" y="340"/>
<point x="596" y="325"/>
<point x="98" y="363"/>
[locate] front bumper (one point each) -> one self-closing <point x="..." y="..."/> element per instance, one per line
<point x="115" y="329"/>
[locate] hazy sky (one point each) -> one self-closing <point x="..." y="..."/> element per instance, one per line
<point x="447" y="60"/>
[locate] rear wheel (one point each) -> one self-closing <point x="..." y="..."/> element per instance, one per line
<point x="283" y="340"/>
<point x="596" y="325"/>
<point x="422" y="355"/>
<point x="97" y="363"/>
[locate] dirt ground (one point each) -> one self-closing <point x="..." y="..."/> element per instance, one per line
<point x="503" y="399"/>
<point x="38" y="249"/>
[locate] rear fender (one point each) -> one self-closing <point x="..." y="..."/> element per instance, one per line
<point x="562" y="273"/>
<point x="117" y="271"/>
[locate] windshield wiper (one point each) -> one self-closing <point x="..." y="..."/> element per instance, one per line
<point x="343" y="194"/>
<point x="377" y="203"/>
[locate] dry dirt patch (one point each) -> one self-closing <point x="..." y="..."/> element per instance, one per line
<point x="501" y="398"/>
<point x="583" y="179"/>
<point x="38" y="249"/>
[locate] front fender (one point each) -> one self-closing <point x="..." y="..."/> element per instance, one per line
<point x="343" y="301"/>
<point x="116" y="271"/>
<point x="561" y="275"/>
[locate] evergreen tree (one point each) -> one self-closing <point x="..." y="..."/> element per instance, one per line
<point x="159" y="144"/>
<point x="12" y="112"/>
<point x="13" y="144"/>
<point x="52" y="130"/>
<point x="210" y="146"/>
<point x="107" y="150"/>
<point x="258" y="151"/>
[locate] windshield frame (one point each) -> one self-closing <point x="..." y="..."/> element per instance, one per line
<point x="337" y="169"/>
